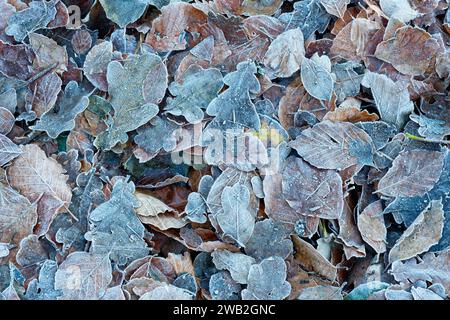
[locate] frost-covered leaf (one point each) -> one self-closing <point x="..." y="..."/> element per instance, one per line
<point x="31" y="251"/>
<point x="413" y="173"/>
<point x="391" y="98"/>
<point x="16" y="61"/>
<point x="316" y="79"/>
<point x="169" y="28"/>
<point x="96" y="64"/>
<point x="365" y="290"/>
<point x="83" y="276"/>
<point x="432" y="268"/>
<point x="372" y="227"/>
<point x="338" y="145"/>
<point x="233" y="108"/>
<point x="35" y="17"/>
<point x="308" y="15"/>
<point x="223" y="287"/>
<point x="115" y="228"/>
<point x="348" y="81"/>
<point x="335" y="7"/>
<point x="421" y="235"/>
<point x="159" y="134"/>
<point x="167" y="292"/>
<point x="196" y="206"/>
<point x="45" y="90"/>
<point x="267" y="281"/>
<point x="321" y="293"/>
<point x="43" y="288"/>
<point x="424" y="294"/>
<point x="269" y="239"/>
<point x="33" y="174"/>
<point x="236" y="220"/>
<point x="410" y="51"/>
<point x="17" y="216"/>
<point x="398" y="9"/>
<point x="286" y="53"/>
<point x="237" y="264"/>
<point x="125" y="86"/>
<point x="6" y="120"/>
<point x="8" y="150"/>
<point x="124" y="12"/>
<point x="61" y="118"/>
<point x="197" y="89"/>
<point x="48" y="52"/>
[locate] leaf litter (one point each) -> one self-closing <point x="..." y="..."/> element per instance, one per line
<point x="255" y="150"/>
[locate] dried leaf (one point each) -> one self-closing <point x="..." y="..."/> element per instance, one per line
<point x="236" y="220"/>
<point x="62" y="117"/>
<point x="372" y="227"/>
<point x="115" y="229"/>
<point x="421" y="235"/>
<point x="413" y="173"/>
<point x="407" y="58"/>
<point x="37" y="16"/>
<point x="267" y="281"/>
<point x="8" y="150"/>
<point x="237" y="264"/>
<point x="433" y="268"/>
<point x="96" y="64"/>
<point x="33" y="174"/>
<point x="338" y="145"/>
<point x="83" y="276"/>
<point x="125" y="86"/>
<point x="48" y="52"/>
<point x="335" y="7"/>
<point x="197" y="89"/>
<point x="124" y="12"/>
<point x="317" y="80"/>
<point x="285" y="53"/>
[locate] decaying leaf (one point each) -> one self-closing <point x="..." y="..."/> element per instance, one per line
<point x="338" y="145"/>
<point x="237" y="264"/>
<point x="33" y="174"/>
<point x="372" y="227"/>
<point x="286" y="53"/>
<point x="316" y="79"/>
<point x="412" y="174"/>
<point x="407" y="58"/>
<point x="421" y="235"/>
<point x="62" y="117"/>
<point x="267" y="281"/>
<point x="194" y="93"/>
<point x="236" y="220"/>
<point x="391" y="98"/>
<point x="83" y="276"/>
<point x="115" y="229"/>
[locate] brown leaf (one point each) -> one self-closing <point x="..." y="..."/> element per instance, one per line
<point x="413" y="173"/>
<point x="33" y="174"/>
<point x="17" y="216"/>
<point x="45" y="93"/>
<point x="286" y="53"/>
<point x="421" y="235"/>
<point x="312" y="192"/>
<point x="321" y="293"/>
<point x="350" y="235"/>
<point x="330" y="145"/>
<point x="16" y="60"/>
<point x="248" y="7"/>
<point x="372" y="227"/>
<point x="175" y="18"/>
<point x="431" y="267"/>
<point x="6" y="121"/>
<point x="48" y="52"/>
<point x="312" y="260"/>
<point x="350" y="114"/>
<point x="411" y="51"/>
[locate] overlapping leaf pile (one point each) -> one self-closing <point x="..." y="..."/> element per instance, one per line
<point x="336" y="184"/>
